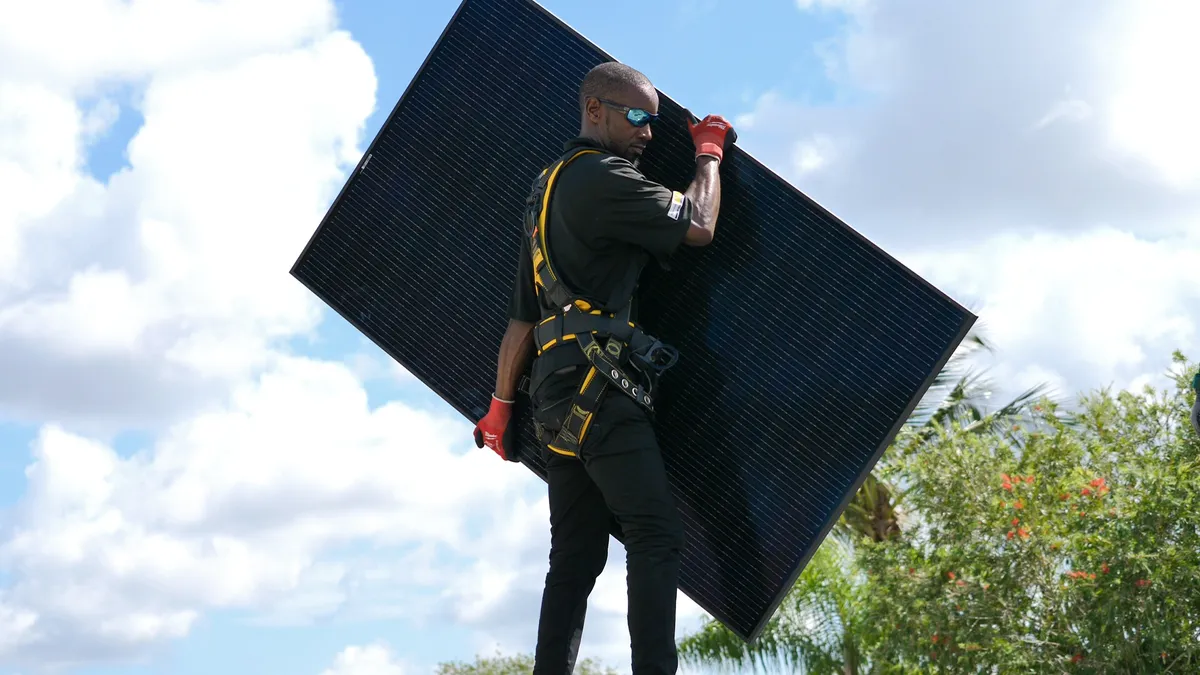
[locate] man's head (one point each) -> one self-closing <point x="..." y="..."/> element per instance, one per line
<point x="613" y="100"/>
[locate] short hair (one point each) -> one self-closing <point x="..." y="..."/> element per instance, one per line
<point x="608" y="79"/>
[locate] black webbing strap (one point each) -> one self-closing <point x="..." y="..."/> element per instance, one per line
<point x="583" y="408"/>
<point x="537" y="206"/>
<point x="605" y="371"/>
<point x="607" y="361"/>
<point x="567" y="325"/>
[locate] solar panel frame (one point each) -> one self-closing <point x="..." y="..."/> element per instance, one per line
<point x="521" y="413"/>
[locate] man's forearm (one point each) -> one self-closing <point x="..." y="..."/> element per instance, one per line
<point x="705" y="195"/>
<point x="515" y="351"/>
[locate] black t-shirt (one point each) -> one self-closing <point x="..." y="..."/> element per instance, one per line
<point x="606" y="221"/>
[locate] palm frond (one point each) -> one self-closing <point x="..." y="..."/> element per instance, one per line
<point x="806" y="635"/>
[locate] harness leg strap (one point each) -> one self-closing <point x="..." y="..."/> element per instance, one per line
<point x="579" y="416"/>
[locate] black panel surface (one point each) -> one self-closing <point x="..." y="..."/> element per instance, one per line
<point x="804" y="347"/>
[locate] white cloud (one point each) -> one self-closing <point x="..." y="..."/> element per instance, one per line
<point x="1155" y="104"/>
<point x="813" y="154"/>
<point x="372" y="659"/>
<point x="1077" y="310"/>
<point x="132" y="39"/>
<point x="937" y="128"/>
<point x="39" y="156"/>
<point x="839" y="5"/>
<point x="244" y="507"/>
<point x="1066" y="110"/>
<point x="248" y="506"/>
<point x="172" y="277"/>
<point x="1037" y="161"/>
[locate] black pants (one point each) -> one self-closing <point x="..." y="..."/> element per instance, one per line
<point x="619" y="477"/>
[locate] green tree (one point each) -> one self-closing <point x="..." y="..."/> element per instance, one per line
<point x="1051" y="543"/>
<point x="517" y="664"/>
<point x="1049" y="547"/>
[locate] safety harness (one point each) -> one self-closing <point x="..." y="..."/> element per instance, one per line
<point x="611" y="342"/>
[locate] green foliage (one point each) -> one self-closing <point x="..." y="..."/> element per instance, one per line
<point x="1052" y="543"/>
<point x="517" y="664"/>
<point x="815" y="630"/>
<point x="1048" y="546"/>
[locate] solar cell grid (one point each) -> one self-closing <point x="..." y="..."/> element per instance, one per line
<point x="803" y="346"/>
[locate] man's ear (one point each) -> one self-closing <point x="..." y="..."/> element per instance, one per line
<point x="591" y="109"/>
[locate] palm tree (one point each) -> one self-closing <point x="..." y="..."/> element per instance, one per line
<point x="814" y="631"/>
<point x="818" y="627"/>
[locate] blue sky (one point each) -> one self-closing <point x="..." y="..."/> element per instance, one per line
<point x="938" y="143"/>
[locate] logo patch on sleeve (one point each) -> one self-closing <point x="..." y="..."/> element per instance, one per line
<point x="676" y="205"/>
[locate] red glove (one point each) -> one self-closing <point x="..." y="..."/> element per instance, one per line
<point x="712" y="136"/>
<point x="493" y="428"/>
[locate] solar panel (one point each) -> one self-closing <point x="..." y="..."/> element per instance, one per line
<point x="804" y="347"/>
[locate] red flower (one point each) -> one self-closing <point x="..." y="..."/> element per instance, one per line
<point x="1064" y="496"/>
<point x="1010" y="534"/>
<point x="960" y="582"/>
<point x="935" y="638"/>
<point x="950" y="574"/>
<point x="1019" y="505"/>
<point x="1085" y="492"/>
<point x="1023" y="533"/>
<point x="1142" y="583"/>
<point x="1016" y="521"/>
<point x="1104" y="568"/>
<point x="1007" y="486"/>
<point x="1097" y="482"/>
<point x="1077" y="658"/>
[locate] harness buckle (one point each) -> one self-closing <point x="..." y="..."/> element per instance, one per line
<point x="659" y="357"/>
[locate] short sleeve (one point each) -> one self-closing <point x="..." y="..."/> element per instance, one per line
<point x="631" y="208"/>
<point x="523" y="304"/>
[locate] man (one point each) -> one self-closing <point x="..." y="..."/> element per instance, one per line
<point x="604" y="222"/>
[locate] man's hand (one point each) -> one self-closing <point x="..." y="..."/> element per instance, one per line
<point x="712" y="136"/>
<point x="492" y="430"/>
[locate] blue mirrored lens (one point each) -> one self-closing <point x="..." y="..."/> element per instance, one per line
<point x="639" y="118"/>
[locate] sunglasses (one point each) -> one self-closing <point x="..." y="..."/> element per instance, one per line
<point x="636" y="116"/>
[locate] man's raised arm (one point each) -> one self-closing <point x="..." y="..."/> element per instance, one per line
<point x="712" y="136"/>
